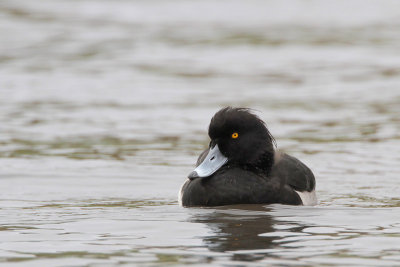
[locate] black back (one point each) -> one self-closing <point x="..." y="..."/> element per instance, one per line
<point x="234" y="185"/>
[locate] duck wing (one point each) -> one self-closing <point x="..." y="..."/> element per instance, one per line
<point x="293" y="172"/>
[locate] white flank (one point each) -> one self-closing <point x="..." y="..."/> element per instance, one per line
<point x="308" y="198"/>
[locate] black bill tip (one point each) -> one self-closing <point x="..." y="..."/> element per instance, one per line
<point x="193" y="175"/>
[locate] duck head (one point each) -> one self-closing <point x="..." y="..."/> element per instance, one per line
<point x="238" y="138"/>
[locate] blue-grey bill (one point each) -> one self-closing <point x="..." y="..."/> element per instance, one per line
<point x="213" y="161"/>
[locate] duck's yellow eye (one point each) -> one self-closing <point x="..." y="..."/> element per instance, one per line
<point x="235" y="135"/>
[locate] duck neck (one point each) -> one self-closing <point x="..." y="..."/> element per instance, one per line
<point x="263" y="164"/>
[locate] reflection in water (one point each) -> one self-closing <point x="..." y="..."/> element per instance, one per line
<point x="302" y="234"/>
<point x="241" y="228"/>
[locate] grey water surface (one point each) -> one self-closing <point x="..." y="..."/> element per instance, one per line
<point x="104" y="107"/>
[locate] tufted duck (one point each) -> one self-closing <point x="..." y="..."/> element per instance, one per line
<point x="241" y="166"/>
